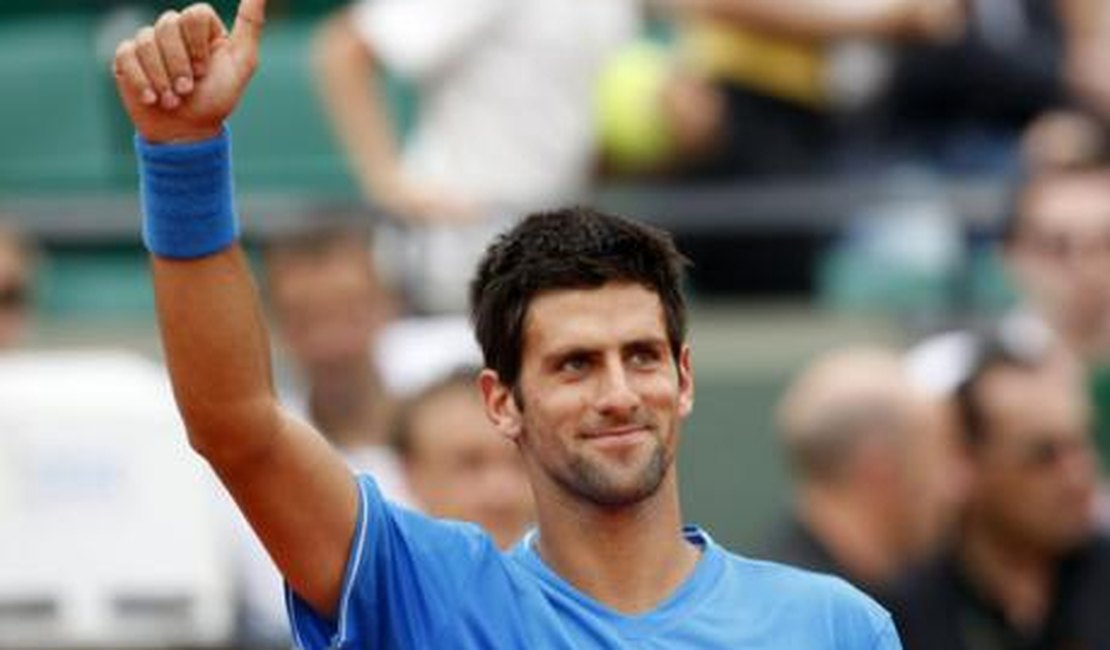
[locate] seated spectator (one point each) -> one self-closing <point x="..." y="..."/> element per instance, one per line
<point x="457" y="465"/>
<point x="1027" y="568"/>
<point x="16" y="261"/>
<point x="330" y="306"/>
<point x="877" y="481"/>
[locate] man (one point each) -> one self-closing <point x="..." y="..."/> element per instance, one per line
<point x="1027" y="569"/>
<point x="581" y="323"/>
<point x="457" y="466"/>
<point x="505" y="92"/>
<point x="877" y="477"/>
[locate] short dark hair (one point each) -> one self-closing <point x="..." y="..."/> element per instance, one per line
<point x="572" y="248"/>
<point x="992" y="349"/>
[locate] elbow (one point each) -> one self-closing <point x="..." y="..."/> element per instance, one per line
<point x="227" y="435"/>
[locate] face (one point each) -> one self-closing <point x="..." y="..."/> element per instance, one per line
<point x="1061" y="254"/>
<point x="601" y="398"/>
<point x="1035" y="471"/>
<point x="329" y="306"/>
<point x="460" y="468"/>
<point x="14" y="294"/>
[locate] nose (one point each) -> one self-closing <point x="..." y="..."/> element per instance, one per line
<point x="616" y="396"/>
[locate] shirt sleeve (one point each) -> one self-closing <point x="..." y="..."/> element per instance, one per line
<point x="404" y="572"/>
<point x="887" y="638"/>
<point x="417" y="38"/>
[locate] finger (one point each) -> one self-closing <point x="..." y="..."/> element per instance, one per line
<point x="247" y="30"/>
<point x="200" y="27"/>
<point x="171" y="43"/>
<point x="133" y="80"/>
<point x="146" y="49"/>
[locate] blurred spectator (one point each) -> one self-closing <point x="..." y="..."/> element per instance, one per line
<point x="16" y="267"/>
<point x="1027" y="569"/>
<point x="457" y="465"/>
<point x="505" y="123"/>
<point x="963" y="103"/>
<point x="330" y="306"/>
<point x="755" y="86"/>
<point x="1057" y="248"/>
<point x="877" y="478"/>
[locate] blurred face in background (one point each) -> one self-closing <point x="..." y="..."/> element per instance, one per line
<point x="1035" y="469"/>
<point x="1060" y="255"/>
<point x="327" y="301"/>
<point x="460" y="467"/>
<point x="15" y="291"/>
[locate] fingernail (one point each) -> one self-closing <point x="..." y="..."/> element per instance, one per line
<point x="170" y="100"/>
<point x="149" y="97"/>
<point x="183" y="85"/>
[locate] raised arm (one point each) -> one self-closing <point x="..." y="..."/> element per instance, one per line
<point x="179" y="80"/>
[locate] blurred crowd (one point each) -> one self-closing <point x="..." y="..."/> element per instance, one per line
<point x="959" y="480"/>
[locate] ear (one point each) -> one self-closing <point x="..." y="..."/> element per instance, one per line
<point x="501" y="409"/>
<point x="685" y="382"/>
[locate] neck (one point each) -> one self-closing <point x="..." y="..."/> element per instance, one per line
<point x="347" y="403"/>
<point x="1017" y="578"/>
<point x="856" y="534"/>
<point x="630" y="559"/>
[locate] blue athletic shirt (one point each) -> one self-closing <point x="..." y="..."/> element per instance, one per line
<point x="425" y="584"/>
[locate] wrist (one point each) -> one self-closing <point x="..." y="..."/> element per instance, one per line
<point x="187" y="197"/>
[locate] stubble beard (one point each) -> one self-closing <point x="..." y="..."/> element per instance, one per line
<point x="591" y="480"/>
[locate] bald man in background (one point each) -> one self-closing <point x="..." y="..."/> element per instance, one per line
<point x="876" y="475"/>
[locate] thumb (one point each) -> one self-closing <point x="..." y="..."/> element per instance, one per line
<point x="247" y="30"/>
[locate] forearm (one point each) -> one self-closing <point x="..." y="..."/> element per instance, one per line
<point x="347" y="81"/>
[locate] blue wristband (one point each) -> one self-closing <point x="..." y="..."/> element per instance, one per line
<point x="187" y="197"/>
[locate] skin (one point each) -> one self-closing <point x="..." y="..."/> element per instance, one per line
<point x="459" y="468"/>
<point x="615" y="414"/>
<point x="598" y="426"/>
<point x="1060" y="257"/>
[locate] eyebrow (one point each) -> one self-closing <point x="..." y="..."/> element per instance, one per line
<point x="650" y="342"/>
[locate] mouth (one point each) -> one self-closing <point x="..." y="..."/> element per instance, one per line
<point x="617" y="436"/>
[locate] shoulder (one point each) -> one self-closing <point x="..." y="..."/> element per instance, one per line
<point x="809" y="595"/>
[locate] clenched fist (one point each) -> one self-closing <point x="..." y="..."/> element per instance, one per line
<point x="180" y="78"/>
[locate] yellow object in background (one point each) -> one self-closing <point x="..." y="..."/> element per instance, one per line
<point x="789" y="70"/>
<point x="632" y="122"/>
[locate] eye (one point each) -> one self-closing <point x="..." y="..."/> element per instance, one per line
<point x="644" y="357"/>
<point x="574" y="364"/>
